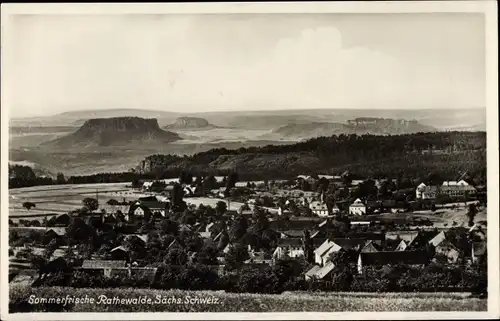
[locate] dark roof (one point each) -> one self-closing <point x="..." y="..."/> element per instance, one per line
<point x="293" y="233"/>
<point x="348" y="244"/>
<point x="148" y="199"/>
<point x="60" y="231"/>
<point x="395" y="257"/>
<point x="366" y="236"/>
<point x="388" y="203"/>
<point x="154" y="205"/>
<point x="290" y="242"/>
<point x="318" y="241"/>
<point x="100" y="264"/>
<point x="284" y="225"/>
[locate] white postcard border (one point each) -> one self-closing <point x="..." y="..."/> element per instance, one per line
<point x="487" y="7"/>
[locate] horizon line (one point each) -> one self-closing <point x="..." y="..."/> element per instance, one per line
<point x="243" y="110"/>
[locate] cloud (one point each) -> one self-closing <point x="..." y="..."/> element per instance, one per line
<point x="171" y="63"/>
<point x="314" y="68"/>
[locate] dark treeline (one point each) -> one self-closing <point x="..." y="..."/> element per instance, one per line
<point x="410" y="155"/>
<point x="415" y="155"/>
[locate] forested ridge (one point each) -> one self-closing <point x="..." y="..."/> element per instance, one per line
<point x="411" y="155"/>
<point x="366" y="155"/>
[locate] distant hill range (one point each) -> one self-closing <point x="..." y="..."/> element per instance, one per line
<point x="415" y="155"/>
<point x="361" y="125"/>
<point x="190" y="123"/>
<point x="116" y="131"/>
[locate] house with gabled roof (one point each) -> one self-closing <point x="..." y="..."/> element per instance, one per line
<point x="184" y="228"/>
<point x="259" y="258"/>
<point x="119" y="253"/>
<point x="174" y="244"/>
<point x="291" y="234"/>
<point x="402" y="246"/>
<point x="425" y="192"/>
<point x="324" y="271"/>
<point x="141" y="237"/>
<point x="321" y="250"/>
<point x="436" y="240"/>
<point x="54" y="233"/>
<point x="288" y="247"/>
<point x="444" y="247"/>
<point x="350" y="243"/>
<point x="318" y="208"/>
<point x="103" y="267"/>
<point x="312" y="272"/>
<point x="326" y="256"/>
<point x="370" y="246"/>
<point x="357" y="208"/>
<point x="407" y="236"/>
<point x="414" y="258"/>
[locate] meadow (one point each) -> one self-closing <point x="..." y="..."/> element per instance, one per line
<point x="57" y="199"/>
<point x="215" y="301"/>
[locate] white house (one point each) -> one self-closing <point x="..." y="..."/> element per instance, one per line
<point x="319" y="208"/>
<point x="335" y="209"/>
<point x="324" y="271"/>
<point x="288" y="247"/>
<point x="425" y="192"/>
<point x="357" y="208"/>
<point x="455" y="183"/>
<point x="318" y="253"/>
<point x="146" y="185"/>
<point x="312" y="272"/>
<point x="325" y="258"/>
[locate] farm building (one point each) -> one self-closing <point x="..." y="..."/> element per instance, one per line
<point x="103" y="267"/>
<point x="392" y="257"/>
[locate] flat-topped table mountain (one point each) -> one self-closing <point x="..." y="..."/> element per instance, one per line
<point x="117" y="131"/>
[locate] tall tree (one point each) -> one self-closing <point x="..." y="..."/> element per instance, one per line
<point x="231" y="182"/>
<point x="471" y="213"/>
<point x="186" y="178"/>
<point x="60" y="178"/>
<point x="90" y="203"/>
<point x="238" y="229"/>
<point x="236" y="256"/>
<point x="29" y="205"/>
<point x="176" y="198"/>
<point x="221" y="207"/>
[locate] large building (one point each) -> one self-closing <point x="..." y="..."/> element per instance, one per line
<point x="449" y="188"/>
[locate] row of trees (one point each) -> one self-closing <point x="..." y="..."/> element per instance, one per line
<point x="288" y="275"/>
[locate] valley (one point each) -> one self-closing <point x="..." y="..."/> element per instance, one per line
<point x="67" y="143"/>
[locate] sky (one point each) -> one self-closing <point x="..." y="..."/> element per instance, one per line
<point x="196" y="63"/>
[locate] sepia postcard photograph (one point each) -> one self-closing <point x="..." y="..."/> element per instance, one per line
<point x="280" y="160"/>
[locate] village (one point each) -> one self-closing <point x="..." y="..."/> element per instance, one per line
<point x="318" y="223"/>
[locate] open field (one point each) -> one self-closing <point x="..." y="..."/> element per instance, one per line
<point x="58" y="199"/>
<point x="218" y="135"/>
<point x="232" y="302"/>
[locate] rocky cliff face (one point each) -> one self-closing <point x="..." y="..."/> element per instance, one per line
<point x="388" y="125"/>
<point x="117" y="131"/>
<point x="190" y="123"/>
<point x="359" y="126"/>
